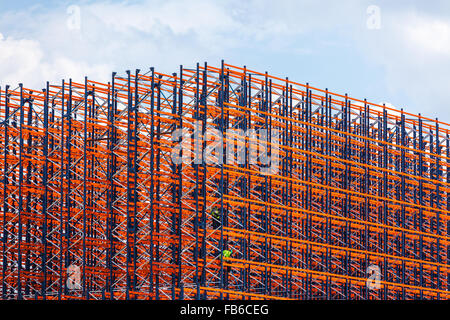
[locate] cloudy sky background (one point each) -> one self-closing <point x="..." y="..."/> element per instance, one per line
<point x="328" y="43"/>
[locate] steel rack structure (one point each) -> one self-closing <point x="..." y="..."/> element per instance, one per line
<point x="93" y="205"/>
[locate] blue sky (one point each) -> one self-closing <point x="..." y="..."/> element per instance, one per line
<point x="398" y="54"/>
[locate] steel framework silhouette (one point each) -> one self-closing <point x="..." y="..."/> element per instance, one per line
<point x="89" y="189"/>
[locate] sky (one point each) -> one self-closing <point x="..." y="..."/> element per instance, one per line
<point x="393" y="52"/>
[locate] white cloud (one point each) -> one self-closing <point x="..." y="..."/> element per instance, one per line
<point x="122" y="35"/>
<point x="413" y="50"/>
<point x="180" y="17"/>
<point x="26" y="54"/>
<point x="428" y="34"/>
<point x="25" y="61"/>
<point x="113" y="36"/>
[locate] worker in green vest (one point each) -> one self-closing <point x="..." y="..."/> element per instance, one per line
<point x="215" y="213"/>
<point x="227" y="254"/>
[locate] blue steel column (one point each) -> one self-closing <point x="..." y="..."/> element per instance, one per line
<point x="86" y="106"/>
<point x="421" y="203"/>
<point x="403" y="199"/>
<point x="327" y="191"/>
<point x="180" y="188"/>
<point x="20" y="208"/>
<point x="61" y="191"/>
<point x="45" y="199"/>
<point x="152" y="175"/>
<point x="174" y="190"/>
<point x="438" y="206"/>
<point x="5" y="189"/>
<point x="112" y="140"/>
<point x="131" y="186"/>
<point x="196" y="190"/>
<point x="135" y="225"/>
<point x="221" y="244"/>
<point x="68" y="230"/>
<point x="158" y="184"/>
<point x="203" y="103"/>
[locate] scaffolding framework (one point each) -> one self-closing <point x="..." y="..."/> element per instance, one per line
<point x="89" y="189"/>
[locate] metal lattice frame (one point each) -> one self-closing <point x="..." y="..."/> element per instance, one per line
<point x="88" y="181"/>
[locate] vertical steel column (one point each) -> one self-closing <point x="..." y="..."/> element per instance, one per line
<point x="112" y="141"/>
<point x="176" y="259"/>
<point x="203" y="102"/>
<point x="131" y="187"/>
<point x="29" y="172"/>
<point x="152" y="178"/>
<point x="403" y="198"/>
<point x="5" y="191"/>
<point x="197" y="158"/>
<point x="438" y="206"/>
<point x="86" y="107"/>
<point x="45" y="198"/>
<point x="20" y="208"/>
<point x="221" y="187"/>
<point x="385" y="193"/>
<point x="308" y="219"/>
<point x="135" y="160"/>
<point x="180" y="189"/>
<point x="421" y="203"/>
<point x="158" y="185"/>
<point x="61" y="191"/>
<point x="328" y="121"/>
<point x="68" y="230"/>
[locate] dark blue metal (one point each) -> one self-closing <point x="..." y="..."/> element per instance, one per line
<point x="45" y="198"/>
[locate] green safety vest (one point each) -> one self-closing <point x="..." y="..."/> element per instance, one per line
<point x="226" y="253"/>
<point x="215" y="213"/>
